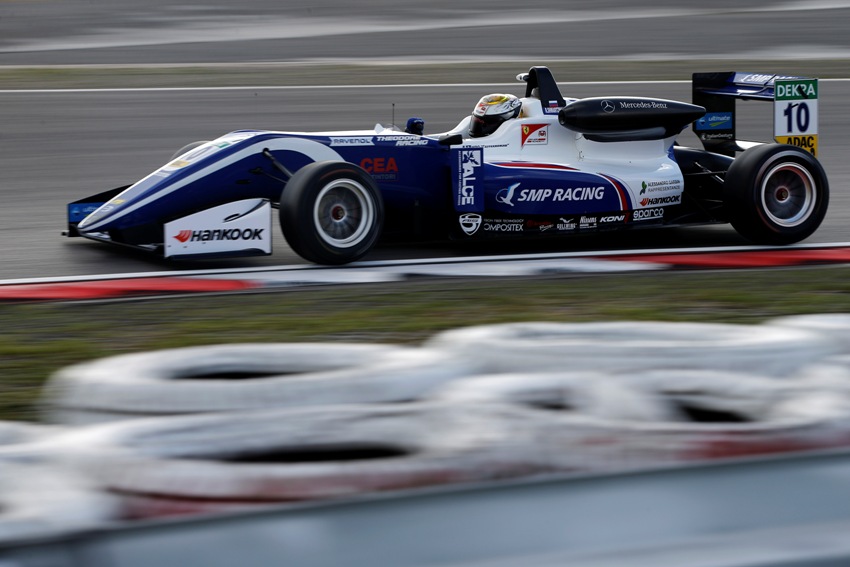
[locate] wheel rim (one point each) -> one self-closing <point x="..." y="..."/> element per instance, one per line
<point x="344" y="213"/>
<point x="788" y="194"/>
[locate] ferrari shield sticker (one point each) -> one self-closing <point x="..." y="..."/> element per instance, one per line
<point x="467" y="178"/>
<point x="535" y="134"/>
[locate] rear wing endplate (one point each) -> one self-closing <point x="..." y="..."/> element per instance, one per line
<point x="795" y="104"/>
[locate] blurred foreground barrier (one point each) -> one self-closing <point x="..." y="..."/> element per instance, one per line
<point x="244" y="377"/>
<point x="593" y="423"/>
<point x="634" y="345"/>
<point x="39" y="497"/>
<point x="833" y="327"/>
<point x="216" y="462"/>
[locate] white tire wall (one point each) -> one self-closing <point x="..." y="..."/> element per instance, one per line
<point x="217" y="462"/>
<point x="832" y="327"/>
<point x="39" y="496"/>
<point x="244" y="377"/>
<point x="634" y="346"/>
<point x="590" y="423"/>
<point x="40" y="499"/>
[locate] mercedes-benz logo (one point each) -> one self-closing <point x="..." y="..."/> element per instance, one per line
<point x="607" y="106"/>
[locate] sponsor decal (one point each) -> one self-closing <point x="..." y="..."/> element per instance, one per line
<point x="655" y="201"/>
<point x="207" y="235"/>
<point x="381" y="169"/>
<point x="469" y="223"/>
<point x="542" y="226"/>
<point x="641" y="105"/>
<point x="612" y="218"/>
<point x="647" y="214"/>
<point x="503" y="225"/>
<point x="587" y="222"/>
<point x="404" y="140"/>
<point x="566" y="224"/>
<point x="535" y="134"/>
<point x="796" y="90"/>
<point x="352" y="141"/>
<point x="560" y="195"/>
<point x="233" y="227"/>
<point x="664" y="185"/>
<point x="506" y="196"/>
<point x="715" y="121"/>
<point x="763" y="78"/>
<point x="78" y="212"/>
<point x="607" y="106"/>
<point x="469" y="162"/>
<point x="379" y="165"/>
<point x="808" y="143"/>
<point x="718" y="136"/>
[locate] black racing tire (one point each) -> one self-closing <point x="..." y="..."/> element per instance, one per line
<point x="776" y="194"/>
<point x="187" y="148"/>
<point x="331" y="212"/>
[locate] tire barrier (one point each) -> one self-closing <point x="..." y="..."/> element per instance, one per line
<point x="16" y="432"/>
<point x="217" y="462"/>
<point x="591" y="423"/>
<point x="38" y="496"/>
<point x="244" y="377"/>
<point x="635" y="346"/>
<point x="591" y="394"/>
<point x="834" y="327"/>
<point x="239" y="426"/>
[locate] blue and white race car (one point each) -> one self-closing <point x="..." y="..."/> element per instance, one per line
<point x="517" y="166"/>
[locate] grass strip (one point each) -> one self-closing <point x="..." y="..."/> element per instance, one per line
<point x="39" y="339"/>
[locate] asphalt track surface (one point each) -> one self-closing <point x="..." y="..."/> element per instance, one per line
<point x="58" y="146"/>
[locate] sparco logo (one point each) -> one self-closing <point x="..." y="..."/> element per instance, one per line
<point x="652" y="201"/>
<point x="645" y="214"/>
<point x="220" y="234"/>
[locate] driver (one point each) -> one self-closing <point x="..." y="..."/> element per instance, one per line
<point x="491" y="111"/>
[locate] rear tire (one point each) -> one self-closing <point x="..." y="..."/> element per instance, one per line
<point x="331" y="212"/>
<point x="776" y="194"/>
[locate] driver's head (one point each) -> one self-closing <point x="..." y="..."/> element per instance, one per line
<point x="491" y="111"/>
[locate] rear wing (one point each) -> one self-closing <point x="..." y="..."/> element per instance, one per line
<point x="795" y="103"/>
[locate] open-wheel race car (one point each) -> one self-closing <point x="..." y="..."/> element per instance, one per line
<point x="515" y="167"/>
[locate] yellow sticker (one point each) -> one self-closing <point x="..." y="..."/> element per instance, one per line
<point x="808" y="143"/>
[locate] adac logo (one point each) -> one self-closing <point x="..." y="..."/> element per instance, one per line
<point x="183" y="235"/>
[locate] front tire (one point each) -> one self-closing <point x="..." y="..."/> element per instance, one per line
<point x="776" y="194"/>
<point x="331" y="212"/>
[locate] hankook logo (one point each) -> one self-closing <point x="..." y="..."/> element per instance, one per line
<point x="607" y="106"/>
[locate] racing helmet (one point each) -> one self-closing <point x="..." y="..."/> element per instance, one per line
<point x="491" y="111"/>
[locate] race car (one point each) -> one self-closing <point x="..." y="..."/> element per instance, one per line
<point x="517" y="166"/>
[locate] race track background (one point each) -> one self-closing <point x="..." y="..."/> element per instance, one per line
<point x="60" y="145"/>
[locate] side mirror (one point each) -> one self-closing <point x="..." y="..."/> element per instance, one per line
<point x="452" y="140"/>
